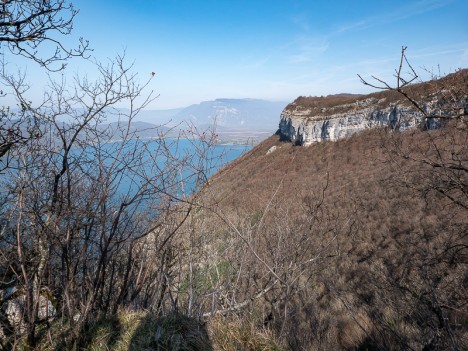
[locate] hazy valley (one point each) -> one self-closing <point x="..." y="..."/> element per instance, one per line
<point x="236" y="121"/>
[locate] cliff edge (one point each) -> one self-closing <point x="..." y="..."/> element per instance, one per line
<point x="309" y="120"/>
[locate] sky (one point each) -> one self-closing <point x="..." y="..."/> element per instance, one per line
<point x="269" y="49"/>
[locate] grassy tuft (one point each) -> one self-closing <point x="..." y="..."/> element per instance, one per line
<point x="241" y="335"/>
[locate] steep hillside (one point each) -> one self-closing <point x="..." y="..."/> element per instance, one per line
<point x="359" y="243"/>
<point x="380" y="234"/>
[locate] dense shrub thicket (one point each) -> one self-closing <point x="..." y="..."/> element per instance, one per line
<point x="363" y="239"/>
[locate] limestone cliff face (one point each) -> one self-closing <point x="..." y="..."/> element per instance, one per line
<point x="314" y="119"/>
<point x="304" y="129"/>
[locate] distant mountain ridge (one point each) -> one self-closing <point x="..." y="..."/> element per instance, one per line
<point x="235" y="120"/>
<point x="238" y="114"/>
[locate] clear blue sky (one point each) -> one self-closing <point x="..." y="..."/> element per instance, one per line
<point x="271" y="49"/>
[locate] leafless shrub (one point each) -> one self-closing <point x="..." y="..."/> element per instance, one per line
<point x="86" y="211"/>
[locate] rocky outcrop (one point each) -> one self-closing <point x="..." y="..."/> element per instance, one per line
<point x="314" y="119"/>
<point x="304" y="128"/>
<point x="12" y="310"/>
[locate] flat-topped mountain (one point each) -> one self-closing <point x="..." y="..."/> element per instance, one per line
<point x="232" y="114"/>
<point x="313" y="119"/>
<point x="234" y="120"/>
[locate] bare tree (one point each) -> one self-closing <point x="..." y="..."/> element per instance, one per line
<point x="450" y="101"/>
<point x="29" y="26"/>
<point x="36" y="30"/>
<point x="446" y="102"/>
<point x="87" y="212"/>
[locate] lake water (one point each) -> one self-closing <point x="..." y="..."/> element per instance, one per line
<point x="142" y="159"/>
<point x="198" y="161"/>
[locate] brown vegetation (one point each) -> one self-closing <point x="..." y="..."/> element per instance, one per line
<point x="360" y="244"/>
<point x="382" y="224"/>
